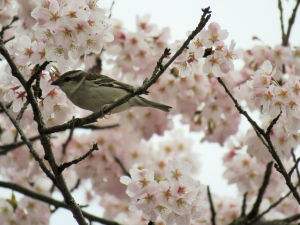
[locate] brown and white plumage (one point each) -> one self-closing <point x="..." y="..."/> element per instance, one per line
<point x="93" y="91"/>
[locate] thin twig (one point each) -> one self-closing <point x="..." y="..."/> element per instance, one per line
<point x="244" y="206"/>
<point x="296" y="165"/>
<point x="110" y="10"/>
<point x="65" y="145"/>
<point x="20" y="115"/>
<point x="274" y="121"/>
<point x="51" y="201"/>
<point x="9" y="39"/>
<point x="255" y="209"/>
<point x="212" y="208"/>
<point x="76" y="185"/>
<point x="268" y="143"/>
<point x="290" y="219"/>
<point x="270" y="207"/>
<point x="4" y="149"/>
<point x="291" y="22"/>
<point x="65" y="165"/>
<point x="4" y="28"/>
<point x="7" y="106"/>
<point x="281" y="21"/>
<point x="37" y="157"/>
<point x="94" y="127"/>
<point x="122" y="166"/>
<point x="37" y="72"/>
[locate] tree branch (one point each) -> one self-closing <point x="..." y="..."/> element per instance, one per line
<point x="51" y="201"/>
<point x="270" y="207"/>
<point x="65" y="165"/>
<point x="59" y="181"/>
<point x="94" y="127"/>
<point x="37" y="72"/>
<point x="65" y="145"/>
<point x="260" y="132"/>
<point x="274" y="121"/>
<point x="244" y="206"/>
<point x="110" y="10"/>
<point x="212" y="208"/>
<point x="7" y="148"/>
<point x="255" y="209"/>
<point x="29" y="144"/>
<point x="20" y="115"/>
<point x="294" y="167"/>
<point x="7" y="107"/>
<point x="281" y="21"/>
<point x="4" y="28"/>
<point x="291" y="22"/>
<point x="122" y="166"/>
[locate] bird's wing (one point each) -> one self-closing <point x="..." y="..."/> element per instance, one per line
<point x="102" y="80"/>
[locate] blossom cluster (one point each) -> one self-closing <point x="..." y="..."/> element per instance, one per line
<point x="177" y="200"/>
<point x="218" y="61"/>
<point x="26" y="211"/>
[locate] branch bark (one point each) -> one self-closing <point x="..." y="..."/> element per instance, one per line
<point x="267" y="142"/>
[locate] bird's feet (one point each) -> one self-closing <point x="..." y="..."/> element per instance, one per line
<point x="102" y="111"/>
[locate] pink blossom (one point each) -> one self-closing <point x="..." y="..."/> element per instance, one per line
<point x="215" y="35"/>
<point x="212" y="64"/>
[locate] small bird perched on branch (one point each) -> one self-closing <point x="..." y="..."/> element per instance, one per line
<point x="93" y="92"/>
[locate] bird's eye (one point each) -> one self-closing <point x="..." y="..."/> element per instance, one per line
<point x="67" y="79"/>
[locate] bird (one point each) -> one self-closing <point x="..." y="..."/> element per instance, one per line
<point x="94" y="92"/>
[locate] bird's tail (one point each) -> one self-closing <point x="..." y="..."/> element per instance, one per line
<point x="140" y="101"/>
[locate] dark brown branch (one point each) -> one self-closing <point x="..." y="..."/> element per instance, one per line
<point x="29" y="144"/>
<point x="295" y="166"/>
<point x="20" y="115"/>
<point x="4" y="28"/>
<point x="7" y="106"/>
<point x="37" y="72"/>
<point x="122" y="166"/>
<point x="4" y="149"/>
<point x="244" y="206"/>
<point x="65" y="145"/>
<point x="290" y="219"/>
<point x="94" y="127"/>
<point x="158" y="71"/>
<point x="291" y="22"/>
<point x="274" y="121"/>
<point x="9" y="39"/>
<point x="76" y="185"/>
<point x="268" y="143"/>
<point x="51" y="201"/>
<point x="281" y="21"/>
<point x="257" y="218"/>
<point x="59" y="181"/>
<point x="212" y="208"/>
<point x="255" y="209"/>
<point x="65" y="165"/>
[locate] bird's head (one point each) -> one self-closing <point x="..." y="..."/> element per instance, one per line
<point x="70" y="81"/>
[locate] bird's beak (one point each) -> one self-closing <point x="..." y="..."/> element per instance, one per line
<point x="56" y="82"/>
